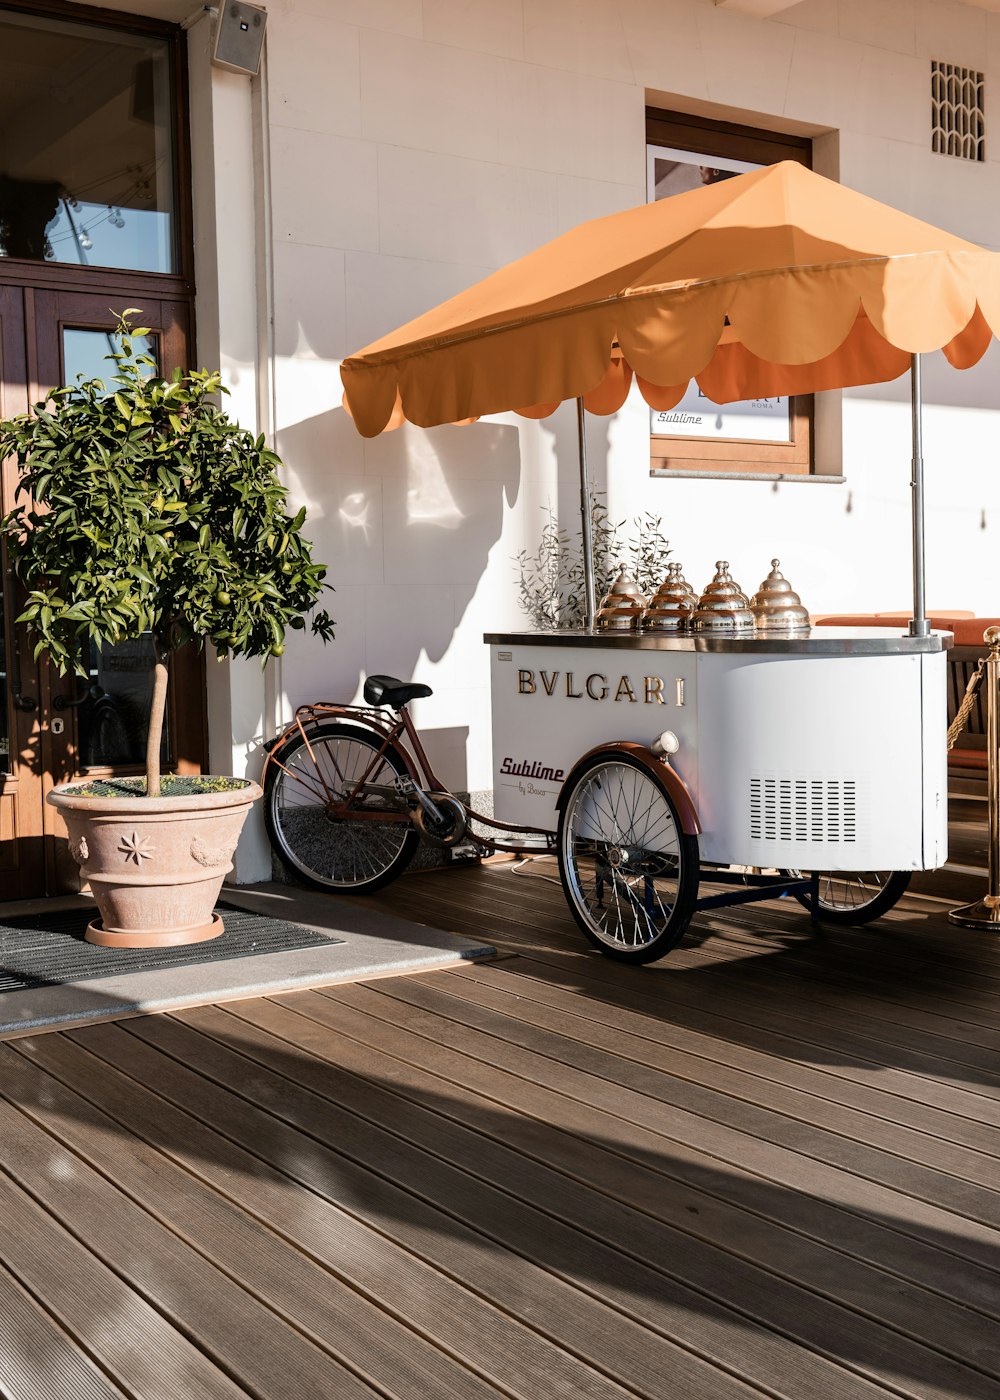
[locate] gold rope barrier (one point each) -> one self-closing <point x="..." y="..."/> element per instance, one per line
<point x="968" y="700"/>
<point x="985" y="913"/>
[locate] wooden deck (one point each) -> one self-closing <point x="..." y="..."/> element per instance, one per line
<point x="767" y="1166"/>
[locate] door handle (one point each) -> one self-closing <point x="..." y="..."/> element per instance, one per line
<point x="64" y="702"/>
<point x="27" y="703"/>
<point x="20" y="702"/>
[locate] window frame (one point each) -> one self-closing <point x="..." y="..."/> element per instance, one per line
<point x="673" y="455"/>
<point x="24" y="271"/>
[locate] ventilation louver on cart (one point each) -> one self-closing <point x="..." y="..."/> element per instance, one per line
<point x="803" y="809"/>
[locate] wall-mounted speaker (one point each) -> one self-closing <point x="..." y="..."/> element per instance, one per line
<point x="239" y="36"/>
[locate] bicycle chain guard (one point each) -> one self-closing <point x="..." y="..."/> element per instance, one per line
<point x="446" y="829"/>
<point x="437" y="815"/>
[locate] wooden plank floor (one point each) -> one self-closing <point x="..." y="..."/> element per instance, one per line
<point x="767" y="1166"/>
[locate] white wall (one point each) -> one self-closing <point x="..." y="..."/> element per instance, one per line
<point x="415" y="145"/>
<point x="229" y="192"/>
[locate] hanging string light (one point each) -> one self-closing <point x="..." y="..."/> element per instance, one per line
<point x="141" y="187"/>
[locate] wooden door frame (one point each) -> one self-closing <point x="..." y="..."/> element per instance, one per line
<point x="48" y="293"/>
<point x="47" y="312"/>
<point x="22" y="860"/>
<point x="53" y="311"/>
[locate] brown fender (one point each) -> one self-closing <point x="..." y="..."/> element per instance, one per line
<point x="656" y="768"/>
<point x="314" y="726"/>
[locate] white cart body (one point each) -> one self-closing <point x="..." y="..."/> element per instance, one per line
<point x="822" y="752"/>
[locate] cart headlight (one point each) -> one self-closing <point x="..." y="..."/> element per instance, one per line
<point x="667" y="744"/>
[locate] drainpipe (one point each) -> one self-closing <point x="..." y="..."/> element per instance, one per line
<point x="274" y="689"/>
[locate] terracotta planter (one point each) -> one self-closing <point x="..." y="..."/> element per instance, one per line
<point x="155" y="865"/>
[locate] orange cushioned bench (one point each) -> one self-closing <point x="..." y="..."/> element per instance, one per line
<point x="967" y="761"/>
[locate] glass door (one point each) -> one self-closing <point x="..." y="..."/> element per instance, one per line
<point x="56" y="728"/>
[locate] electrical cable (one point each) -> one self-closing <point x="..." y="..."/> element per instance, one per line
<point x="517" y="868"/>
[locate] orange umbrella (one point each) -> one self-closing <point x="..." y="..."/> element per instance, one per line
<point x="776" y="282"/>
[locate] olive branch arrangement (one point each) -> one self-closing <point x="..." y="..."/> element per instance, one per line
<point x="551" y="589"/>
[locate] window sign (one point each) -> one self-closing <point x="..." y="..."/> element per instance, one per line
<point x="671" y="171"/>
<point x="753" y="420"/>
<point x="113" y="717"/>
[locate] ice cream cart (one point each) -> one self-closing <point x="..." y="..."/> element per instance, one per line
<point x="656" y="757"/>
<point x="653" y="755"/>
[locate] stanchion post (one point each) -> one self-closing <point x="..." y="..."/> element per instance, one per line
<point x="985" y="913"/>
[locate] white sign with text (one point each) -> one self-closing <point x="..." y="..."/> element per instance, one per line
<point x="753" y="420"/>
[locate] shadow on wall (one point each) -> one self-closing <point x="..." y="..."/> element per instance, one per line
<point x="562" y="434"/>
<point x="405" y="523"/>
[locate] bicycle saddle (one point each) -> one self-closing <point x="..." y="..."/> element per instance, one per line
<point x="387" y="690"/>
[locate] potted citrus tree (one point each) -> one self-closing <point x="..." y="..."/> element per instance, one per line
<point x="144" y="511"/>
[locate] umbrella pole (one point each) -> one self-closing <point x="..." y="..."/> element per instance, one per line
<point x="586" y="516"/>
<point x="919" y="626"/>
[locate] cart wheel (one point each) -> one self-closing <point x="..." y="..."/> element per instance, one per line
<point x="856" y="896"/>
<point x="629" y="872"/>
<point x="354" y="857"/>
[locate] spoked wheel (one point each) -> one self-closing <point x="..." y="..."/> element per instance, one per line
<point x="857" y="896"/>
<point x="629" y="872"/>
<point x="353" y="855"/>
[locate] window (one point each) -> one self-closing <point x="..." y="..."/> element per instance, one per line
<point x="762" y="436"/>
<point x="88" y="173"/>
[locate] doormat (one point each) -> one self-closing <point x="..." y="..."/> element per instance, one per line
<point x="42" y="950"/>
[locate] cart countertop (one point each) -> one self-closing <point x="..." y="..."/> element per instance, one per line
<point x="820" y="641"/>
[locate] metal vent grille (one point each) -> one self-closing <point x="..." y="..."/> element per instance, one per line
<point x="803" y="809"/>
<point x="958" y="120"/>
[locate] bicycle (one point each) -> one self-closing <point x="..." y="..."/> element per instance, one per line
<point x="348" y="792"/>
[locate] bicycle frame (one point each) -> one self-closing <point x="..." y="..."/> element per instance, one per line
<point x="426" y="784"/>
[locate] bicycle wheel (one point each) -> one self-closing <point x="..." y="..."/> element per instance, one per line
<point x="629" y="872"/>
<point x="325" y="851"/>
<point x="856" y="896"/>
